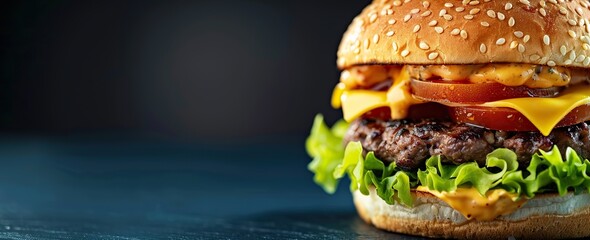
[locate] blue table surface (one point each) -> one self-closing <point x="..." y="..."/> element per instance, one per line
<point x="114" y="188"/>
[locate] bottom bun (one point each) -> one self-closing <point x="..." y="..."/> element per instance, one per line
<point x="545" y="216"/>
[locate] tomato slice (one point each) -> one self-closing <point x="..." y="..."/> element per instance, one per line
<point x="508" y="119"/>
<point x="474" y="92"/>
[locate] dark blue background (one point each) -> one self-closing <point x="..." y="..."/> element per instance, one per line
<point x="168" y="119"/>
<point x="192" y="69"/>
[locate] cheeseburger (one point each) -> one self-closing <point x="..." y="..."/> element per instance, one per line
<point x="463" y="119"/>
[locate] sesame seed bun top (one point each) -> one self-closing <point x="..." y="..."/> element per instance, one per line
<point x="552" y="32"/>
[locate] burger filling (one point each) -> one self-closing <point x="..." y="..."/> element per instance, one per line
<point x="409" y="143"/>
<point x="518" y="129"/>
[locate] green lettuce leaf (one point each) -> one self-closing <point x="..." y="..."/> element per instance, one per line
<point x="325" y="146"/>
<point x="446" y="178"/>
<point x="547" y="171"/>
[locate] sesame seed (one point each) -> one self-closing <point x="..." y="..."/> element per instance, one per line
<point x="482" y="48"/>
<point x="518" y="34"/>
<point x="432" y="55"/>
<point x="449" y="5"/>
<point x="448" y="17"/>
<point x="442" y="12"/>
<point x="473" y="3"/>
<point x="415" y="10"/>
<point x="511" y="21"/>
<point x="525" y="2"/>
<point x="460" y="9"/>
<point x="455" y="32"/>
<point x="426" y="13"/>
<point x="416" y="28"/>
<point x="562" y="10"/>
<point x="585" y="39"/>
<point x="372" y="18"/>
<point x="553" y="1"/>
<point x="376" y="38"/>
<point x="562" y="50"/>
<point x="391" y="21"/>
<point x="546" y="40"/>
<point x="586" y="61"/>
<point x="580" y="58"/>
<point x="572" y="55"/>
<point x="513" y="44"/>
<point x="405" y="52"/>
<point x="543" y="12"/>
<point x="567" y="62"/>
<point x="526" y="38"/>
<point x="390" y="33"/>
<point x="397" y="3"/>
<point x="366" y="43"/>
<point x="463" y="34"/>
<point x="501" y="16"/>
<point x="357" y="51"/>
<point x="356" y="43"/>
<point x="426" y="4"/>
<point x="465" y="2"/>
<point x="586" y="46"/>
<point x="579" y="11"/>
<point x="572" y="22"/>
<point x="521" y="48"/>
<point x="534" y="57"/>
<point x="432" y="23"/>
<point x="572" y="33"/>
<point x="389" y="11"/>
<point x="407" y="18"/>
<point x="500" y="41"/>
<point x="485" y="24"/>
<point x="423" y="45"/>
<point x="543" y="4"/>
<point x="508" y="6"/>
<point x="551" y="63"/>
<point x="491" y="13"/>
<point x="394" y="46"/>
<point x="468" y="16"/>
<point x="439" y="30"/>
<point x="474" y="11"/>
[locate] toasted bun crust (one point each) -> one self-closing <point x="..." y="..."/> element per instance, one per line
<point x="469" y="32"/>
<point x="547" y="216"/>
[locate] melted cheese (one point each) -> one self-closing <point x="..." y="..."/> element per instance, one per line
<point x="399" y="97"/>
<point x="337" y="95"/>
<point x="544" y="113"/>
<point x="474" y="206"/>
<point x="357" y="102"/>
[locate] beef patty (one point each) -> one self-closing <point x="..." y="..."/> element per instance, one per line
<point x="409" y="143"/>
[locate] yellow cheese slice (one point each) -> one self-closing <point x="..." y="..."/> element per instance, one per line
<point x="544" y="113"/>
<point x="357" y="102"/>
